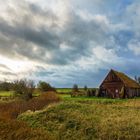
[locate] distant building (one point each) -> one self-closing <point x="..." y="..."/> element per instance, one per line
<point x="119" y="85"/>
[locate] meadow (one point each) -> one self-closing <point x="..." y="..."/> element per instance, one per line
<point x="12" y="94"/>
<point x="88" y="119"/>
<point x="68" y="90"/>
<point x="6" y="93"/>
<point x="11" y="128"/>
<point x="62" y="117"/>
<point x="64" y="90"/>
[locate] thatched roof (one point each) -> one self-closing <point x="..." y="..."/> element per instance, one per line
<point x="127" y="80"/>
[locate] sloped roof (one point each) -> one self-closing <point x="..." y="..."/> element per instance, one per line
<point x="127" y="80"/>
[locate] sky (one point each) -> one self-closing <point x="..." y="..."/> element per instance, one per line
<point x="66" y="42"/>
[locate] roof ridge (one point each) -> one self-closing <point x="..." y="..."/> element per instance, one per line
<point x="126" y="79"/>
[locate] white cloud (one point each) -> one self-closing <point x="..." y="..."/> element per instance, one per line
<point x="134" y="45"/>
<point x="105" y="55"/>
<point x="132" y="17"/>
<point x="16" y="68"/>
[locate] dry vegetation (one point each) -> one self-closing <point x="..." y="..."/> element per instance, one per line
<point x="17" y="130"/>
<point x="89" y="120"/>
<point x="85" y="118"/>
<point x="11" y="129"/>
<point x="12" y="109"/>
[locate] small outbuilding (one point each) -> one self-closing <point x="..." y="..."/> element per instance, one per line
<point x="119" y="85"/>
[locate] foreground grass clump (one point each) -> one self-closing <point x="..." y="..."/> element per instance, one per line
<point x="89" y="120"/>
<point x="12" y="109"/>
<point x="15" y="130"/>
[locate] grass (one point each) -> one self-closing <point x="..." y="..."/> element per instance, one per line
<point x="17" y="130"/>
<point x="12" y="129"/>
<point x="11" y="110"/>
<point x="6" y="93"/>
<point x="63" y="90"/>
<point x="11" y="93"/>
<point x="68" y="90"/>
<point x="67" y="97"/>
<point x="81" y="117"/>
<point x="88" y="119"/>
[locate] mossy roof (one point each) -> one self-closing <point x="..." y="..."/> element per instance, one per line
<point x="127" y="80"/>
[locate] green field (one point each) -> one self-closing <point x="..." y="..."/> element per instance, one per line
<point x="11" y="93"/>
<point x="37" y="92"/>
<point x="6" y="93"/>
<point x="68" y="90"/>
<point x="63" y="90"/>
<point x="67" y="97"/>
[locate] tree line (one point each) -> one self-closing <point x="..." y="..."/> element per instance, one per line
<point x="25" y="88"/>
<point x="86" y="91"/>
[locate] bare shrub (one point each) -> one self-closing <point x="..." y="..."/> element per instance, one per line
<point x="25" y="88"/>
<point x="13" y="109"/>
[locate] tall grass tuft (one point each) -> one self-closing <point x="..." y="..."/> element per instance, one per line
<point x="17" y="130"/>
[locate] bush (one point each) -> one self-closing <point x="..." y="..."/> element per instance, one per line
<point x="24" y="88"/>
<point x="88" y="92"/>
<point x="75" y="88"/>
<point x="91" y="92"/>
<point x="85" y="88"/>
<point x="6" y="86"/>
<point x="13" y="109"/>
<point x="44" y="87"/>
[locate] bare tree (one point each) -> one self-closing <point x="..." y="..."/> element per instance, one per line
<point x="85" y="88"/>
<point x="24" y="88"/>
<point x="75" y="88"/>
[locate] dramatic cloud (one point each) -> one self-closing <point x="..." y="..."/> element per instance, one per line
<point x="67" y="41"/>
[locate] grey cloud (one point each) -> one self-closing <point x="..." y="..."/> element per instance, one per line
<point x="4" y="66"/>
<point x="8" y="73"/>
<point x="34" y="33"/>
<point x="77" y="34"/>
<point x="36" y="10"/>
<point x="43" y="37"/>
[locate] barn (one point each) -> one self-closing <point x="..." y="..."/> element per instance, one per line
<point x="119" y="85"/>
